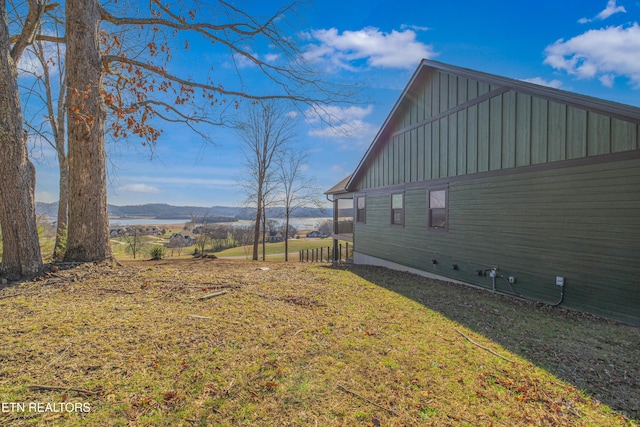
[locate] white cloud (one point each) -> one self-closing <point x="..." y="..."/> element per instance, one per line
<point x="140" y="188"/>
<point x="611" y="9"/>
<point x="355" y="128"/>
<point x="242" y="61"/>
<point x="607" y="80"/>
<point x="332" y="113"/>
<point x="398" y="49"/>
<point x="342" y="123"/>
<point x="271" y="57"/>
<point x="540" y="81"/>
<point x="413" y="27"/>
<point x="245" y="61"/>
<point x="604" y="54"/>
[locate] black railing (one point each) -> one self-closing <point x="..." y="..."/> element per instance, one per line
<point x="344" y="253"/>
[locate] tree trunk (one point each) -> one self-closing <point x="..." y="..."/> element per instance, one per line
<point x="256" y="230"/>
<point x="264" y="232"/>
<point x="63" y="209"/>
<point x="88" y="229"/>
<point x="286" y="236"/>
<point x="21" y="250"/>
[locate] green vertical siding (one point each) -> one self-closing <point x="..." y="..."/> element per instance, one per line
<point x="624" y="136"/>
<point x="509" y="130"/>
<point x="539" y="124"/>
<point x="523" y="130"/>
<point x="472" y="139"/>
<point x="557" y="131"/>
<point x="461" y="151"/>
<point x="471" y="134"/>
<point x="444" y="147"/>
<point x="599" y="134"/>
<point x="483" y="136"/>
<point x="495" y="133"/>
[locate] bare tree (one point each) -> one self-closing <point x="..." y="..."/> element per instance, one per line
<point x="48" y="93"/>
<point x="264" y="133"/>
<point x="135" y="240"/>
<point x="122" y="64"/>
<point x="21" y="251"/>
<point x="297" y="190"/>
<point x="325" y="226"/>
<point x="142" y="87"/>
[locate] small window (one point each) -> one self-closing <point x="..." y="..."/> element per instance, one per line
<point x="397" y="209"/>
<point x="438" y="209"/>
<point x="361" y="212"/>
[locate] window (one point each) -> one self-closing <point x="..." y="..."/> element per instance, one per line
<point x="438" y="209"/>
<point x="397" y="209"/>
<point x="361" y="213"/>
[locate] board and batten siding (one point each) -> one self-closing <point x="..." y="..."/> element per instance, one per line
<point x="541" y="183"/>
<point x="581" y="223"/>
<point x="457" y="126"/>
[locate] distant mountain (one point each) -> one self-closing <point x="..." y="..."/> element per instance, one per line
<point x="164" y="211"/>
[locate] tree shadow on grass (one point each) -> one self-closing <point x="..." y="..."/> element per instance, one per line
<point x="596" y="355"/>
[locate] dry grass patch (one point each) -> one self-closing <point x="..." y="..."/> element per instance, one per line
<point x="296" y="344"/>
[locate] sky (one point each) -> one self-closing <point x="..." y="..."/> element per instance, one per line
<point x="591" y="47"/>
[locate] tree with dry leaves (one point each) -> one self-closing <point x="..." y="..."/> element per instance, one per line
<point x="124" y="64"/>
<point x="45" y="109"/>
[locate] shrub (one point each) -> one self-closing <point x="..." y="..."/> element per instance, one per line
<point x="156" y="252"/>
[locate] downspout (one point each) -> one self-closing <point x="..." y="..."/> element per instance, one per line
<point x="333" y="221"/>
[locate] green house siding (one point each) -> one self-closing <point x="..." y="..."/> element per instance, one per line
<point x="581" y="223"/>
<point x="471" y="141"/>
<point x="541" y="183"/>
<point x="475" y="127"/>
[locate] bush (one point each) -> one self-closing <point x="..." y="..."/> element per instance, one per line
<point x="156" y="252"/>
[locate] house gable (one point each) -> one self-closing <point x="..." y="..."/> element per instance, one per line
<point x="452" y="122"/>
<point x="500" y="175"/>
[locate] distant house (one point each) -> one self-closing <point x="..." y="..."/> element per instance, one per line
<point x="316" y="234"/>
<point x="503" y="184"/>
<point x="180" y="240"/>
<point x="275" y="237"/>
<point x="151" y="230"/>
<point x="116" y="232"/>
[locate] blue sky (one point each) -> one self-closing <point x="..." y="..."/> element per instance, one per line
<point x="590" y="47"/>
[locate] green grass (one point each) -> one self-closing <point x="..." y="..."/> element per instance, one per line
<point x="275" y="250"/>
<point x="303" y="344"/>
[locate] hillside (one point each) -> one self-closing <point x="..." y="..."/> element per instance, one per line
<point x="165" y="211"/>
<point x="226" y="343"/>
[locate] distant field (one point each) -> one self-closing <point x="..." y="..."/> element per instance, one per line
<point x="275" y="251"/>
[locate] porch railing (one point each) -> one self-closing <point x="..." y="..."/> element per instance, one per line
<point x="343" y="253"/>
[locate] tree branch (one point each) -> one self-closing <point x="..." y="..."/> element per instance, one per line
<point x="160" y="71"/>
<point x="30" y="28"/>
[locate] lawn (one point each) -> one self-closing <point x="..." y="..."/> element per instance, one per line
<point x="275" y="251"/>
<point x="289" y="344"/>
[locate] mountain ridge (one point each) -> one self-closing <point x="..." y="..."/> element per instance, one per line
<point x="167" y="211"/>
